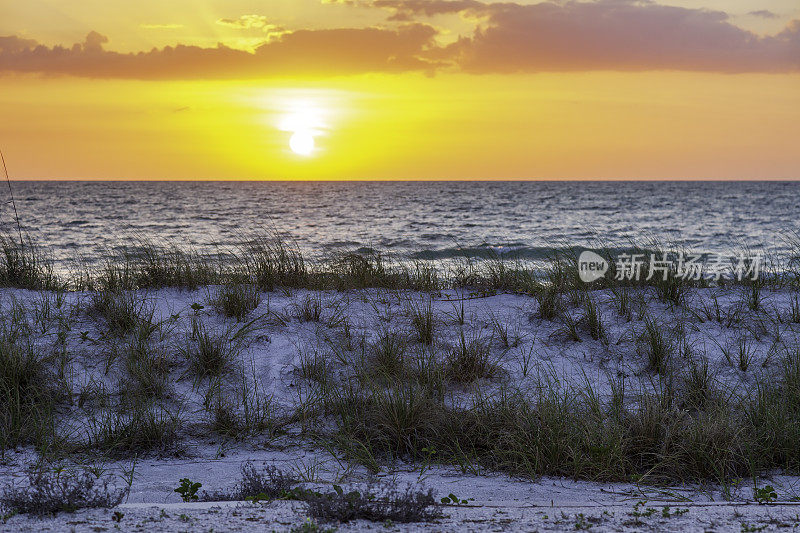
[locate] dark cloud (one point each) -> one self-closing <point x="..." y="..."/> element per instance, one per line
<point x="336" y="51"/>
<point x="618" y="35"/>
<point x="407" y="9"/>
<point x="12" y="44"/>
<point x="509" y="37"/>
<point x="764" y="13"/>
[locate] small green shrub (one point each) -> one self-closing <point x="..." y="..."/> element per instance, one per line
<point x="268" y="483"/>
<point x="388" y="505"/>
<point x="61" y="491"/>
<point x="764" y="495"/>
<point x="188" y="490"/>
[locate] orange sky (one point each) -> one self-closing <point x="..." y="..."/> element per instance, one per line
<point x="401" y="89"/>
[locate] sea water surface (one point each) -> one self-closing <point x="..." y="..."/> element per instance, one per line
<point x="412" y="220"/>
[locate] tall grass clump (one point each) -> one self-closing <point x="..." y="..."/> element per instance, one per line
<point x="148" y="265"/>
<point x="309" y="308"/>
<point x="593" y="320"/>
<point x="314" y="366"/>
<point x="698" y="392"/>
<point x="498" y="275"/>
<point x="507" y="336"/>
<point x="671" y="289"/>
<point x="22" y="265"/>
<point x="389" y="421"/>
<point x="621" y="298"/>
<point x="230" y="421"/>
<point x="561" y="272"/>
<point x="236" y="300"/>
<point x="131" y="430"/>
<point x="753" y="297"/>
<point x="122" y="311"/>
<point x="422" y="277"/>
<point x="387" y="354"/>
<point x="147" y="366"/>
<point x="470" y="360"/>
<point x="656" y="344"/>
<point x="27" y="395"/>
<point x="569" y="328"/>
<point x="429" y="372"/>
<point x="774" y="415"/>
<point x="794" y="311"/>
<point x="244" y="411"/>
<point x="549" y="301"/>
<point x="211" y="353"/>
<point x="670" y="434"/>
<point x="269" y="262"/>
<point x="362" y="270"/>
<point x="423" y="321"/>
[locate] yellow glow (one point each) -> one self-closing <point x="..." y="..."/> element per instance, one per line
<point x="302" y="115"/>
<point x="302" y="143"/>
<point x="304" y="119"/>
<point x="601" y="125"/>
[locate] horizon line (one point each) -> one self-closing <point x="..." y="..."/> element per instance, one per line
<point x="400" y="180"/>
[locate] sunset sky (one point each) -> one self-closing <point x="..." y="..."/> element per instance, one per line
<point x="400" y="89"/>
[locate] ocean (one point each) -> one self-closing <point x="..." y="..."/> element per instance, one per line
<point x="408" y="220"/>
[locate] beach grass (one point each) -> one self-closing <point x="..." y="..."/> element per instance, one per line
<point x="394" y="361"/>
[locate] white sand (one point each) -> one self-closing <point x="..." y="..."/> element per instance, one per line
<point x="497" y="501"/>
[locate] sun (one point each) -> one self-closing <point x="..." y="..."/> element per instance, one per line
<point x="302" y="143"/>
<point x="304" y="121"/>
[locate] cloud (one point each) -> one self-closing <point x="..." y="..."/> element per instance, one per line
<point x="508" y="37"/>
<point x="12" y="44"/>
<point x="408" y="9"/>
<point x="326" y="52"/>
<point x="246" y="22"/>
<point x="161" y="26"/>
<point x="764" y="13"/>
<point x="617" y="35"/>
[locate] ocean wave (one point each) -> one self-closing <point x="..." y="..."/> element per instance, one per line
<point x="492" y="252"/>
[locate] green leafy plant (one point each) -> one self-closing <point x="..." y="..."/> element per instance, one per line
<point x="639" y="512"/>
<point x="309" y="526"/>
<point x="764" y="495"/>
<point x="188" y="490"/>
<point x="667" y="512"/>
<point x="430" y="452"/>
<point x="452" y="499"/>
